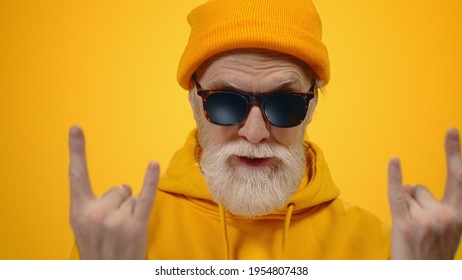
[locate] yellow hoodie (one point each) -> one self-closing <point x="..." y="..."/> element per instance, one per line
<point x="186" y="224"/>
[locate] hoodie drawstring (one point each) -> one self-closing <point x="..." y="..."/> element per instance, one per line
<point x="224" y="230"/>
<point x="285" y="233"/>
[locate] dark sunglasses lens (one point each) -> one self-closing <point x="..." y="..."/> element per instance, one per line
<point x="225" y="108"/>
<point x="285" y="110"/>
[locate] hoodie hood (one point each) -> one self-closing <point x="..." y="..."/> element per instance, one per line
<point x="184" y="177"/>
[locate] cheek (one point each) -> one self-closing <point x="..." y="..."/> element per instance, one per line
<point x="286" y="136"/>
<point x="218" y="134"/>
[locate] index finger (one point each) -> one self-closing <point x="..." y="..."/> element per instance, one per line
<point x="396" y="194"/>
<point x="78" y="172"/>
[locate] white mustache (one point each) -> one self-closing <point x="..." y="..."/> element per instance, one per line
<point x="243" y="148"/>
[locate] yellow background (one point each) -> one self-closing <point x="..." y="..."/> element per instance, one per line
<point x="110" y="66"/>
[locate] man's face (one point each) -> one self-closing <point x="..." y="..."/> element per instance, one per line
<point x="254" y="72"/>
<point x="252" y="168"/>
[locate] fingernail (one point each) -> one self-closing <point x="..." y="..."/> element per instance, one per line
<point x="153" y="165"/>
<point x="127" y="188"/>
<point x="75" y="130"/>
<point x="453" y="132"/>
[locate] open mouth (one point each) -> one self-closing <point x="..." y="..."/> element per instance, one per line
<point x="253" y="161"/>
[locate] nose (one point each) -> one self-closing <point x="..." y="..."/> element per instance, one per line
<point x="255" y="128"/>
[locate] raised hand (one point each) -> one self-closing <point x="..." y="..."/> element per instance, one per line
<point x="423" y="227"/>
<point x="114" y="226"/>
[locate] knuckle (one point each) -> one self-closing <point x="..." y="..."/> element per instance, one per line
<point x="111" y="224"/>
<point x="425" y="189"/>
<point x="442" y="223"/>
<point x="97" y="215"/>
<point x="118" y="191"/>
<point x="419" y="228"/>
<point x="74" y="176"/>
<point x="115" y="223"/>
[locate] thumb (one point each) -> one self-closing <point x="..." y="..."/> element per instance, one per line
<point x="148" y="192"/>
<point x="396" y="194"/>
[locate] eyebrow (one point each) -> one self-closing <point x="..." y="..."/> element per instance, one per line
<point x="287" y="85"/>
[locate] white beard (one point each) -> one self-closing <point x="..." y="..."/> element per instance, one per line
<point x="246" y="191"/>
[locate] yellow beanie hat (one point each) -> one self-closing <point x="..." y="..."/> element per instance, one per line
<point x="288" y="26"/>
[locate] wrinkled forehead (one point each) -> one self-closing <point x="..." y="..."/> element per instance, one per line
<point x="254" y="69"/>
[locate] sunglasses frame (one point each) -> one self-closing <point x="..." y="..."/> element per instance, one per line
<point x="255" y="100"/>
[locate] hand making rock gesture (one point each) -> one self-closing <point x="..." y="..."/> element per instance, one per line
<point x="423" y="227"/>
<point x="114" y="226"/>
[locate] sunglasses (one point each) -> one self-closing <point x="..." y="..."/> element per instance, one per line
<point x="281" y="109"/>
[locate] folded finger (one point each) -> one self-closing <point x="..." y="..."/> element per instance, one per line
<point x="114" y="198"/>
<point x="424" y="198"/>
<point x="128" y="205"/>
